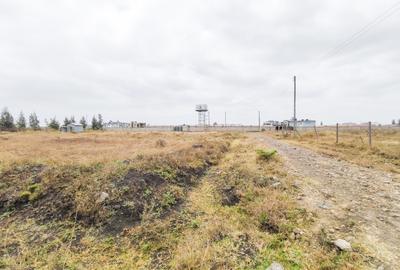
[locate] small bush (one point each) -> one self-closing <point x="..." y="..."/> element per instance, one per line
<point x="266" y="154"/>
<point x="168" y="200"/>
<point x="161" y="143"/>
<point x="25" y="195"/>
<point x="194" y="224"/>
<point x="32" y="188"/>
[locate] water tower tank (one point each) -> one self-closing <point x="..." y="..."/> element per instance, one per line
<point x="201" y="108"/>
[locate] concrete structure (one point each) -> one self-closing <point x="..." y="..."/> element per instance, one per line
<point x="124" y="125"/>
<point x="306" y="123"/>
<point x="187" y="128"/>
<point x="116" y="125"/>
<point x="303" y="123"/>
<point x="74" y="128"/>
<point x="271" y="123"/>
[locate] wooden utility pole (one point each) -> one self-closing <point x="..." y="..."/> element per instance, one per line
<point x="369" y="134"/>
<point x="294" y="105"/>
<point x="337" y="133"/>
<point x="259" y="121"/>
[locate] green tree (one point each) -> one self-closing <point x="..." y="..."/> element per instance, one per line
<point x="67" y="121"/>
<point x="21" y="123"/>
<point x="6" y="120"/>
<point x="54" y="124"/>
<point x="83" y="122"/>
<point x="100" y="122"/>
<point x="72" y="119"/>
<point x="34" y="121"/>
<point x="95" y="123"/>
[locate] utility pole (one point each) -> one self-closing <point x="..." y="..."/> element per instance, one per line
<point x="225" y="119"/>
<point x="337" y="133"/>
<point x="294" y="105"/>
<point x="259" y="121"/>
<point x="370" y="134"/>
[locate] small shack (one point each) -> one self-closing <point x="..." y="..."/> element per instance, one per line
<point x="74" y="128"/>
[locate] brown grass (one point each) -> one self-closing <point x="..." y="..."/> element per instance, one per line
<point x="353" y="146"/>
<point x="256" y="230"/>
<point x="89" y="147"/>
<point x="57" y="194"/>
<point x="171" y="205"/>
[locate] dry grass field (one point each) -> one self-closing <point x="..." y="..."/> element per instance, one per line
<point x="107" y="200"/>
<point x="88" y="147"/>
<point x="353" y="146"/>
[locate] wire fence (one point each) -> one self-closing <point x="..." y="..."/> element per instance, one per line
<point x="341" y="133"/>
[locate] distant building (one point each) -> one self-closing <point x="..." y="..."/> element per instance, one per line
<point x="306" y="123"/>
<point x="303" y="123"/>
<point x="138" y="124"/>
<point x="271" y="123"/>
<point x="116" y="125"/>
<point x="74" y="128"/>
<point x="124" y="125"/>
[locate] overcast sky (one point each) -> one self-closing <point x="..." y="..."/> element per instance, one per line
<point x="153" y="61"/>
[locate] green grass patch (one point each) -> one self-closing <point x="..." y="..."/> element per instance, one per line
<point x="266" y="154"/>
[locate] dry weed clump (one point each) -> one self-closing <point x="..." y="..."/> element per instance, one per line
<point x="161" y="143"/>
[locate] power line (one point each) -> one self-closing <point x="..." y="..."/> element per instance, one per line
<point x="366" y="28"/>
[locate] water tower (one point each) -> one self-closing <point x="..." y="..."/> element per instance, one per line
<point x="202" y="110"/>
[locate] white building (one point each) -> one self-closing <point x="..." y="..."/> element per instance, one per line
<point x="306" y="123"/>
<point x="271" y="123"/>
<point x="303" y="123"/>
<point x="74" y="128"/>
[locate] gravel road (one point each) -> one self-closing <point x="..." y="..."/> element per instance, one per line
<point x="358" y="204"/>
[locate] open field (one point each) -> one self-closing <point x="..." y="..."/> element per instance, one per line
<point x="89" y="147"/>
<point x="353" y="146"/>
<point x="154" y="201"/>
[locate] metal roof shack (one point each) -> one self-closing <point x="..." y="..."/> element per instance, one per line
<point x="73" y="128"/>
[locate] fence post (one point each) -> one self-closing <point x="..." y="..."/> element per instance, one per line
<point x="337" y="133"/>
<point x="369" y="134"/>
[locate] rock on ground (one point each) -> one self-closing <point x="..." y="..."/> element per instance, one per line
<point x="103" y="196"/>
<point x="275" y="266"/>
<point x="342" y="244"/>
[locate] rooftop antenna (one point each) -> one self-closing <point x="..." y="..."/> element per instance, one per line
<point x="203" y="115"/>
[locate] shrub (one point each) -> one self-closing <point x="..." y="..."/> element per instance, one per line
<point x="161" y="143"/>
<point x="168" y="200"/>
<point x="25" y="195"/>
<point x="266" y="154"/>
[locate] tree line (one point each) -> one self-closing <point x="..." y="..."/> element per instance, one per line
<point x="7" y="122"/>
<point x="394" y="122"/>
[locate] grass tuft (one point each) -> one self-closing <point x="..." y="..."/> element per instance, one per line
<point x="266" y="154"/>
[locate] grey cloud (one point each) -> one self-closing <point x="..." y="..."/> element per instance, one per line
<point x="154" y="60"/>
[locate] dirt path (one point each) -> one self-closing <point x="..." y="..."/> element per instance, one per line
<point x="358" y="204"/>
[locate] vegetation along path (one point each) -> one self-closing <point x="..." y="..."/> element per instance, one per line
<point x="359" y="204"/>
